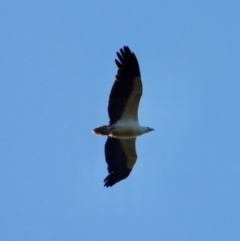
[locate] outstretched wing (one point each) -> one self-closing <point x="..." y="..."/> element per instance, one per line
<point x="120" y="156"/>
<point x="127" y="88"/>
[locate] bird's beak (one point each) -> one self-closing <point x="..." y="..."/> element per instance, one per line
<point x="151" y="129"/>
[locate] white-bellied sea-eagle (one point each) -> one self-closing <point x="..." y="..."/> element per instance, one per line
<point x="123" y="128"/>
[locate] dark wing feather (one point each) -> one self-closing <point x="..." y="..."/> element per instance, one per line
<point x="117" y="160"/>
<point x="128" y="70"/>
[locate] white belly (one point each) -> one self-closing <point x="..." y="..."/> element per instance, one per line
<point x="125" y="130"/>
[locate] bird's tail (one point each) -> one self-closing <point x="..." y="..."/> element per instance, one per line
<point x="101" y="130"/>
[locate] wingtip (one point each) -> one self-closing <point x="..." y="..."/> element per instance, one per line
<point x="124" y="49"/>
<point x="112" y="178"/>
<point x="109" y="180"/>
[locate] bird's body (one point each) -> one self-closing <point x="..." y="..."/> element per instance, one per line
<point x="123" y="129"/>
<point x="123" y="126"/>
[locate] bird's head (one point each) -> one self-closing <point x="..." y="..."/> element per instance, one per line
<point x="148" y="129"/>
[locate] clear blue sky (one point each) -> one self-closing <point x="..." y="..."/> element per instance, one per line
<point x="56" y="71"/>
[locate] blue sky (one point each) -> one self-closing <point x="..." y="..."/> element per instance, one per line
<point x="57" y="68"/>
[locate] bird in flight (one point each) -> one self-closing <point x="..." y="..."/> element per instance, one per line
<point x="123" y="127"/>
